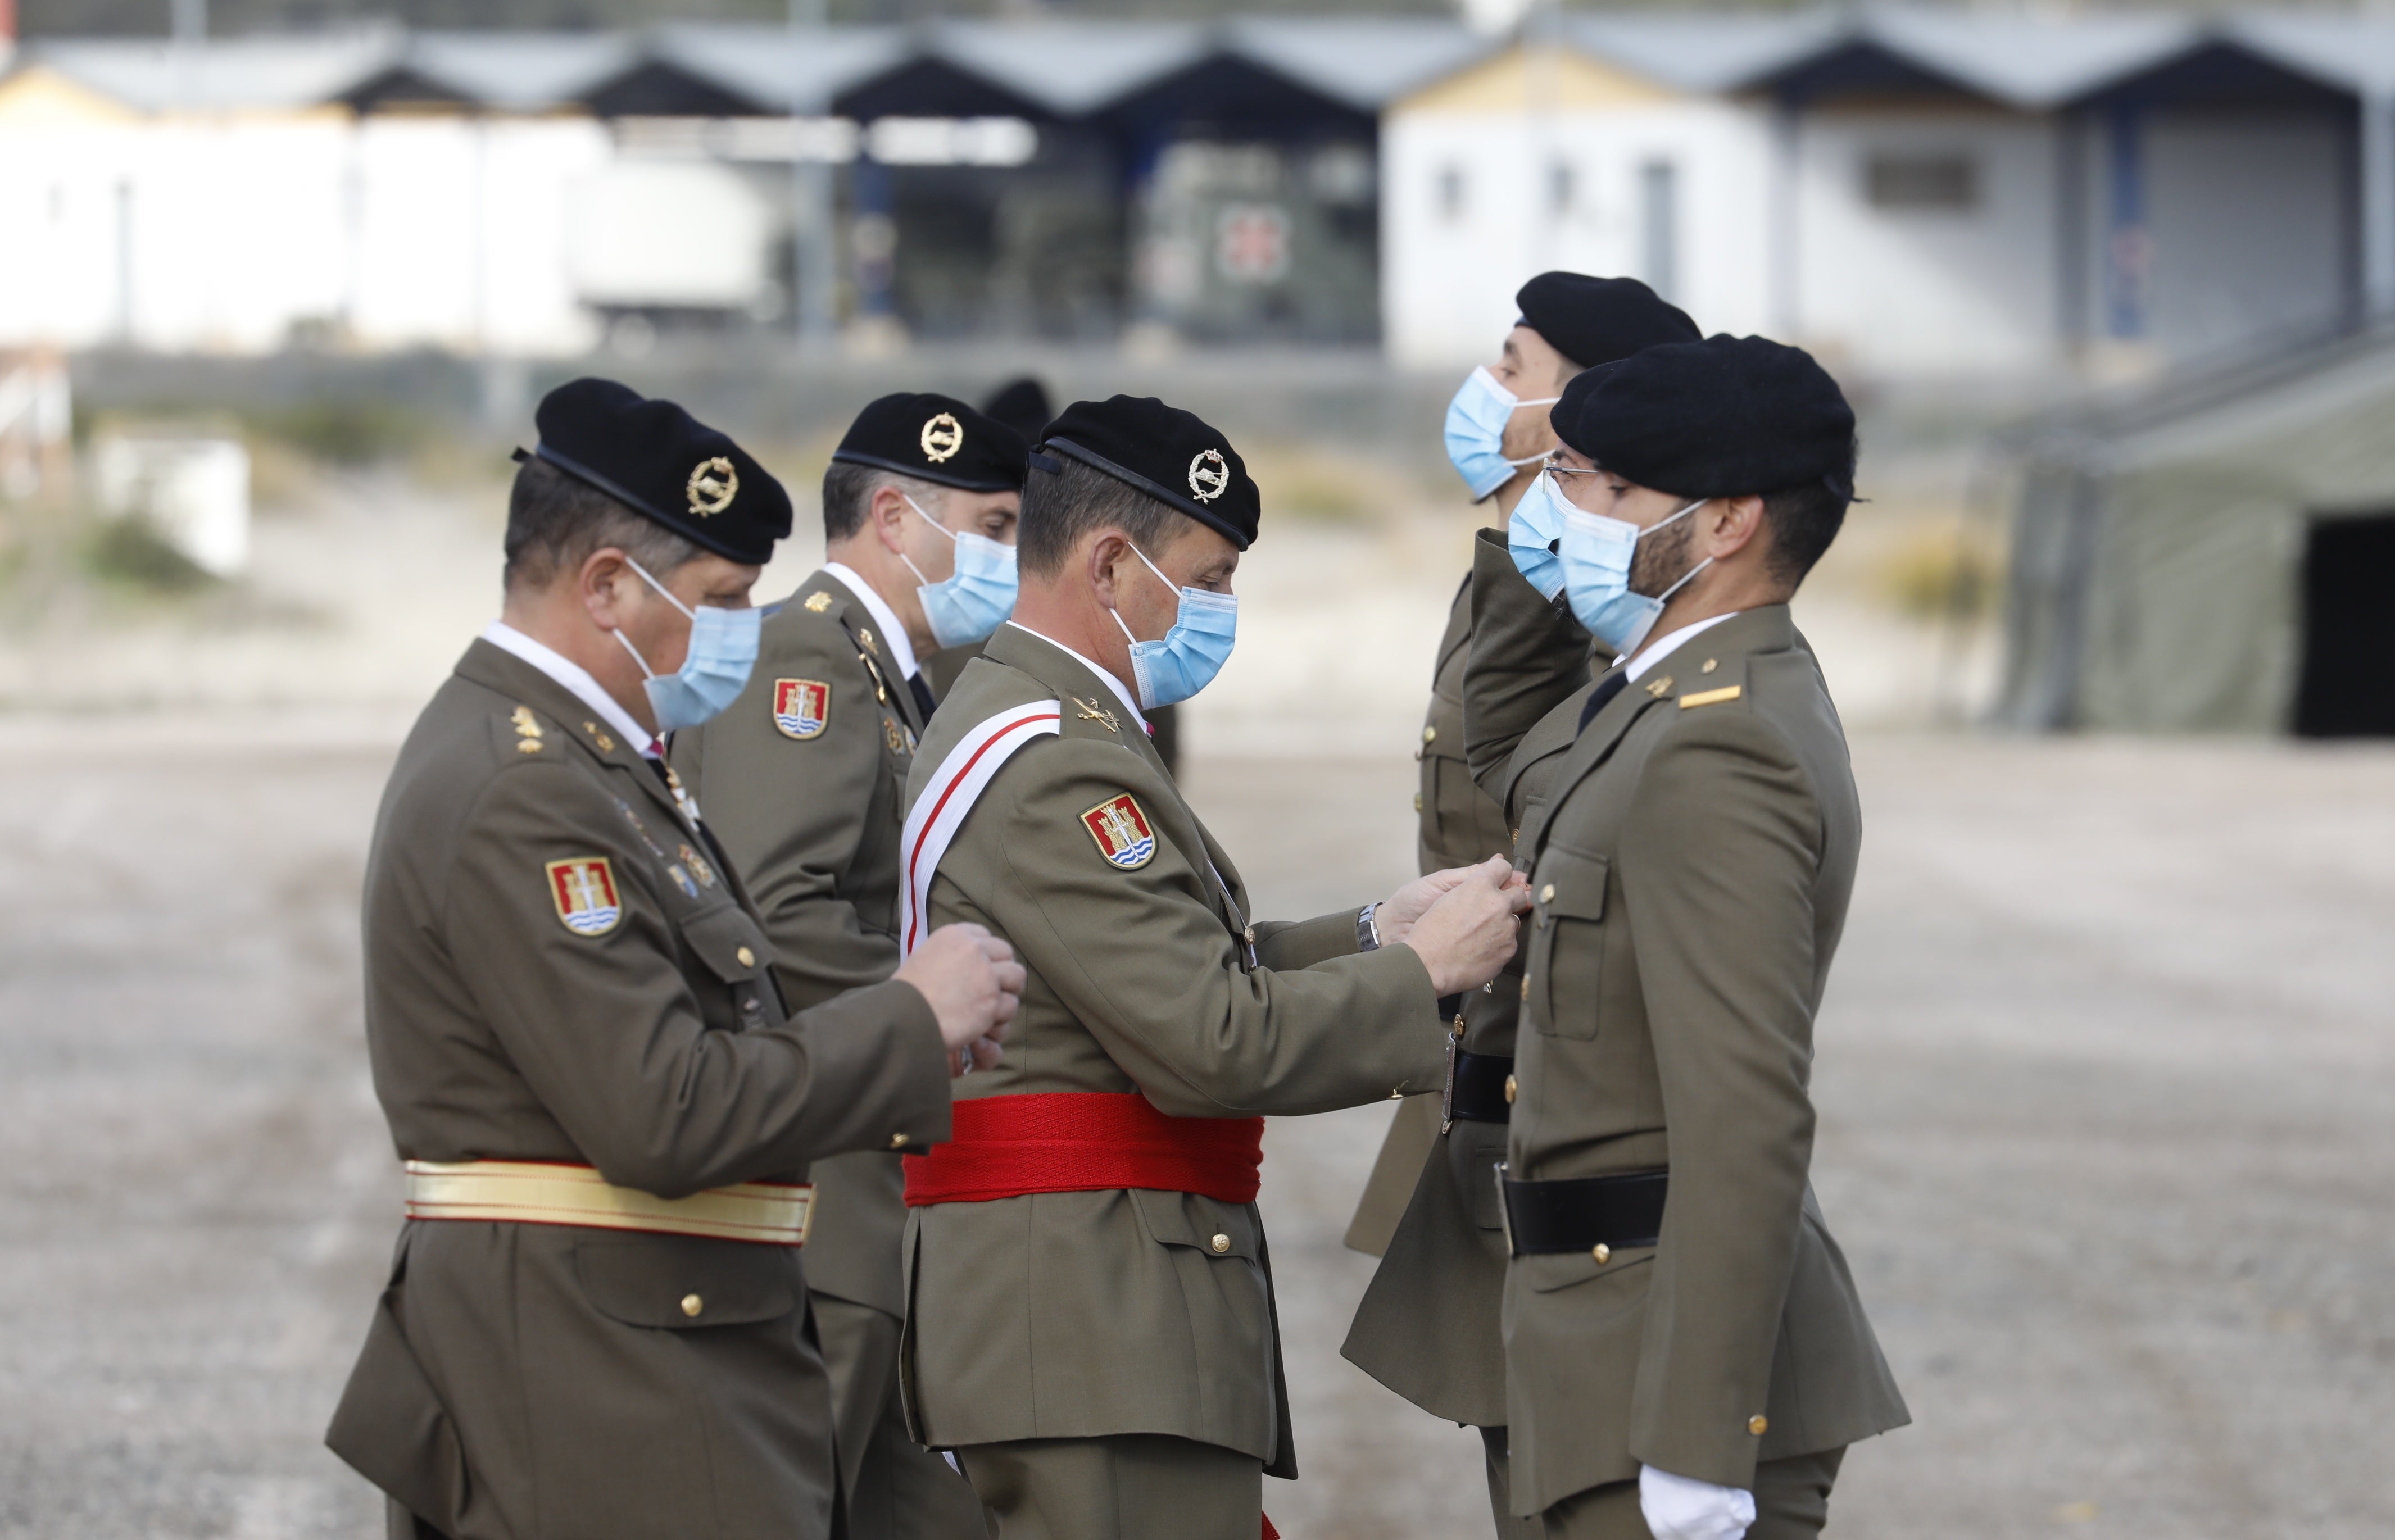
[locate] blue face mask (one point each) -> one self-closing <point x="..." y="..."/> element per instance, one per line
<point x="722" y="650"/>
<point x="1596" y="557"/>
<point x="1476" y="432"/>
<point x="1531" y="534"/>
<point x="1191" y="653"/>
<point x="971" y="602"/>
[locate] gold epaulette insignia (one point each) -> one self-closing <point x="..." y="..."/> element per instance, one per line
<point x="1092" y="713"/>
<point x="1711" y="664"/>
<point x="527" y="745"/>
<point x="1660" y="688"/>
<point x="527" y="725"/>
<point x="866" y="636"/>
<point x="606" y="744"/>
<point x="818" y="602"/>
<point x="1710" y="697"/>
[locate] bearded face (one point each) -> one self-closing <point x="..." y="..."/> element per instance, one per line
<point x="1662" y="559"/>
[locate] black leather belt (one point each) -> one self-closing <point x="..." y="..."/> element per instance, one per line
<point x="1583" y="1213"/>
<point x="1475" y="1087"/>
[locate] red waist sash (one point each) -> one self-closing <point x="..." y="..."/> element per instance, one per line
<point x="1086" y="1141"/>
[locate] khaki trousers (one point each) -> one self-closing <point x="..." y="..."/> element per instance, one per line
<point x="1125" y="1486"/>
<point x="1791" y="1502"/>
<point x="1510" y="1526"/>
<point x="892" y="1488"/>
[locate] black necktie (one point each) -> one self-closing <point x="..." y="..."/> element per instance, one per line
<point x="1606" y="687"/>
<point x="923" y="702"/>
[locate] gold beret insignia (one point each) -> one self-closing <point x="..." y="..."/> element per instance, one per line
<point x="943" y="436"/>
<point x="712" y="486"/>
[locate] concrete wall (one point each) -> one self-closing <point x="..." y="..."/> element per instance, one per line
<point x="1923" y="289"/>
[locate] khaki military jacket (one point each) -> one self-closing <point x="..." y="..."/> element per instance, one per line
<point x="559" y="968"/>
<point x="808" y="807"/>
<point x="1427" y="1327"/>
<point x="1082" y="1314"/>
<point x="1689" y="870"/>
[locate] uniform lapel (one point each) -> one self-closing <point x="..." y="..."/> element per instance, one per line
<point x="496" y="668"/>
<point x="1085" y="697"/>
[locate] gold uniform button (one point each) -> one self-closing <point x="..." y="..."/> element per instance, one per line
<point x="1601" y="1252"/>
<point x="1547" y="894"/>
<point x="1248" y="935"/>
<point x="1417" y="801"/>
<point x="692" y="1304"/>
<point x="1758" y="1424"/>
<point x="1221" y="1245"/>
<point x="1509" y="1096"/>
<point x="1430" y="735"/>
<point x="1525" y="986"/>
<point x="1458" y="1028"/>
<point x="897" y="1141"/>
<point x="747" y="958"/>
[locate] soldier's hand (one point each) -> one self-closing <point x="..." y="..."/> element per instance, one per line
<point x="972" y="983"/>
<point x="1467" y="933"/>
<point x="1396" y="917"/>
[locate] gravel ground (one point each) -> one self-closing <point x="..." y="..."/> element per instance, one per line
<point x="2107" y="1076"/>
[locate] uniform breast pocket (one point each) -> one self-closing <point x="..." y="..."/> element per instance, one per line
<point x="1567" y="942"/>
<point x="735" y="951"/>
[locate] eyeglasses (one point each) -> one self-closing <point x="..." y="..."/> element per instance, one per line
<point x="1559" y="468"/>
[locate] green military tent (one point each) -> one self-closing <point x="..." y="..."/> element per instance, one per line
<point x="2217" y="555"/>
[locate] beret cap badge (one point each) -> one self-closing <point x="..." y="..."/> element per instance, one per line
<point x="712" y="486"/>
<point x="943" y="436"/>
<point x="1209" y="476"/>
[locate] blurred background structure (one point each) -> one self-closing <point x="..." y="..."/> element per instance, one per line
<point x="2108" y="1091"/>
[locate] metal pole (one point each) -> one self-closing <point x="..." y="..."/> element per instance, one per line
<point x="815" y="279"/>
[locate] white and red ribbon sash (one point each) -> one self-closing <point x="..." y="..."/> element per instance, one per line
<point x="949" y="795"/>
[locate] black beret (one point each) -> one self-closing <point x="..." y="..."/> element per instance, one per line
<point x="1023" y="405"/>
<point x="1594" y="320"/>
<point x="1729" y="417"/>
<point x="1171" y="455"/>
<point x="936" y="438"/>
<point x="660" y="462"/>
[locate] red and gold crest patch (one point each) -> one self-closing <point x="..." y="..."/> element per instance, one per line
<point x="1120" y="828"/>
<point x="801" y="708"/>
<point x="584" y="891"/>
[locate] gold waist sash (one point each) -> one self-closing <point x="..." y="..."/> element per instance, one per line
<point x="538" y="1193"/>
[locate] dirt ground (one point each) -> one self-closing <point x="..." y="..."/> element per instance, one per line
<point x="2106" y="1075"/>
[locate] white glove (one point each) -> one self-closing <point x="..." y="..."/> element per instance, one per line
<point x="1678" y="1508"/>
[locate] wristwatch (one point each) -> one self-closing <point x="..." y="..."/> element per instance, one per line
<point x="1367" y="930"/>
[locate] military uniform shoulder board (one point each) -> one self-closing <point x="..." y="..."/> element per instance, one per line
<point x="1120" y="827"/>
<point x="818" y="602"/>
<point x="801" y="708"/>
<point x="583" y="891"/>
<point x="1710" y="697"/>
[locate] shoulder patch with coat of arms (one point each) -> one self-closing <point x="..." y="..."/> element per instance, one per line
<point x="583" y="891"/>
<point x="801" y="708"/>
<point x="1120" y="827"/>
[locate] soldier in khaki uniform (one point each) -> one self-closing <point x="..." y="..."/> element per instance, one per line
<point x="1687" y="1355"/>
<point x="596" y="1323"/>
<point x="1089" y="1322"/>
<point x="1427" y="1327"/>
<point x="804" y="780"/>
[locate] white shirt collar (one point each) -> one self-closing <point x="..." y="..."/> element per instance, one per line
<point x="574" y="676"/>
<point x="1131" y="701"/>
<point x="901" y="652"/>
<point x="1663" y="646"/>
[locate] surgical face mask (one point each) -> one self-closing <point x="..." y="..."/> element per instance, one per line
<point x="1475" y="432"/>
<point x="1532" y="532"/>
<point x="1191" y="653"/>
<point x="722" y="650"/>
<point x="971" y="603"/>
<point x="1597" y="556"/>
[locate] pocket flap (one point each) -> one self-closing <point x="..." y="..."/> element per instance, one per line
<point x="1564" y="1270"/>
<point x="729" y="943"/>
<point x="1567" y="885"/>
<point x="1200" y="1223"/>
<point x="678" y="1281"/>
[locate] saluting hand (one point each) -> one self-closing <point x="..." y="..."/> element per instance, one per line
<point x="974" y="985"/>
<point x="1465" y="931"/>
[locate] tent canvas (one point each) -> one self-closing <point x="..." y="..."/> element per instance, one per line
<point x="2160" y="551"/>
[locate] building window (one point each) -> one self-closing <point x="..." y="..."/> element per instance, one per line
<point x="1659" y="226"/>
<point x="1450" y="192"/>
<point x="1947" y="182"/>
